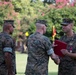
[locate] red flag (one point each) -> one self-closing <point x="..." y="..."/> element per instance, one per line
<point x="54" y="33"/>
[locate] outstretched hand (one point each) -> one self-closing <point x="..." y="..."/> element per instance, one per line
<point x="55" y="59"/>
<point x="65" y="52"/>
<point x="53" y="45"/>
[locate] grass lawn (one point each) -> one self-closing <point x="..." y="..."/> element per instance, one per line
<point x="21" y="60"/>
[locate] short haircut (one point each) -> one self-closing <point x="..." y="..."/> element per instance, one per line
<point x="41" y="22"/>
<point x="6" y="22"/>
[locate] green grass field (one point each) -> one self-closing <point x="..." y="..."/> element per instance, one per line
<point x="21" y="60"/>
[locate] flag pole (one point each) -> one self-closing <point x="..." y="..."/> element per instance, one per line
<point x="54" y="34"/>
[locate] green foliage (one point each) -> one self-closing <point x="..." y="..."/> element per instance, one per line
<point x="7" y="13"/>
<point x="32" y="28"/>
<point x="55" y="16"/>
<point x="26" y="12"/>
<point x="29" y="11"/>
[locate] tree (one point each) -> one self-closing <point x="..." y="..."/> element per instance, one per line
<point x="7" y="12"/>
<point x="29" y="11"/>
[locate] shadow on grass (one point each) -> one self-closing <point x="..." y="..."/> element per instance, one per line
<point x="52" y="73"/>
<point x="20" y="73"/>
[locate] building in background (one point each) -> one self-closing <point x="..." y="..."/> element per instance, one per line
<point x="61" y="3"/>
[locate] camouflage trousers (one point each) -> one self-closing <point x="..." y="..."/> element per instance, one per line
<point x="3" y="71"/>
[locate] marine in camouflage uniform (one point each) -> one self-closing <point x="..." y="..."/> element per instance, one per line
<point x="6" y="41"/>
<point x="38" y="46"/>
<point x="6" y="45"/>
<point x="67" y="64"/>
<point x="39" y="50"/>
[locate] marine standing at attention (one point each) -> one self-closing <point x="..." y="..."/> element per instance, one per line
<point x="7" y="49"/>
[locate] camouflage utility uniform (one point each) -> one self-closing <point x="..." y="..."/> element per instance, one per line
<point x="38" y="54"/>
<point x="67" y="64"/>
<point x="6" y="45"/>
